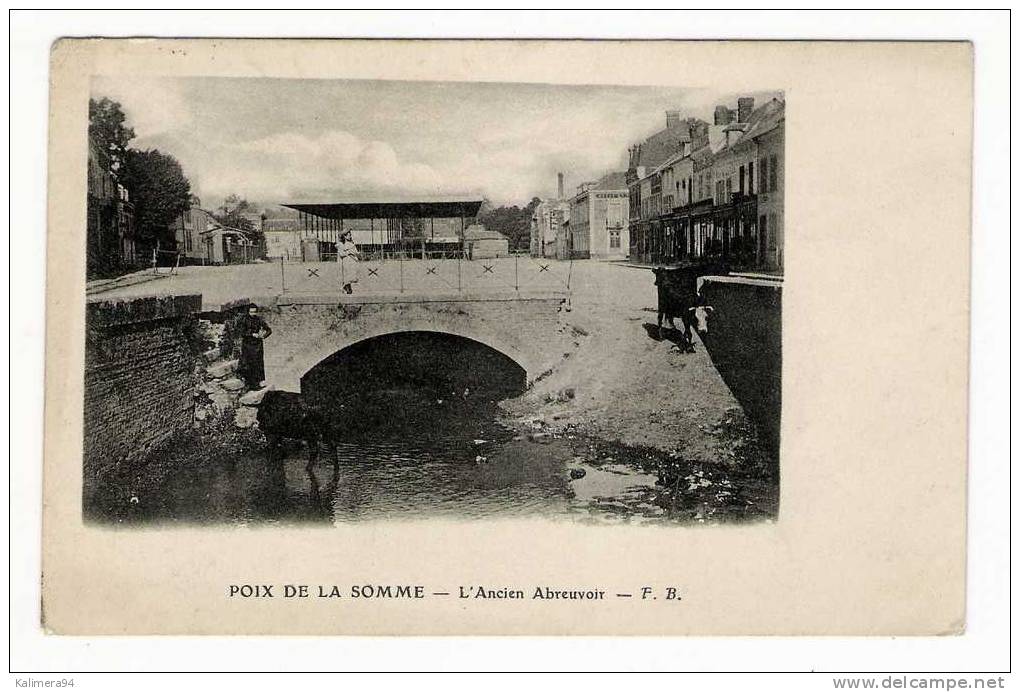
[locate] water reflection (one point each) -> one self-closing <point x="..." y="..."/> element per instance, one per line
<point x="422" y="457"/>
<point x="320" y="500"/>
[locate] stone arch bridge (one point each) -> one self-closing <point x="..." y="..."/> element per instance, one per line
<point x="527" y="328"/>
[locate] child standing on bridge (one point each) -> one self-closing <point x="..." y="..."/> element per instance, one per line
<point x="348" y="257"/>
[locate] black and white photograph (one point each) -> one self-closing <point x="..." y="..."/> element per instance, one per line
<point x="316" y="302"/>
<point x="426" y="349"/>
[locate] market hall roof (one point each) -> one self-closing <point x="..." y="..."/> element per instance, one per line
<point x="437" y="208"/>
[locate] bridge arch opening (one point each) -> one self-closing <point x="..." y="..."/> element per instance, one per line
<point x="436" y="364"/>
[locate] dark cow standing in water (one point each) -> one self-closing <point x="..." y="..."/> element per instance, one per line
<point x="287" y="415"/>
<point x="677" y="289"/>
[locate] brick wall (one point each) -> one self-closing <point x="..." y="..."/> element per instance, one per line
<point x="140" y="371"/>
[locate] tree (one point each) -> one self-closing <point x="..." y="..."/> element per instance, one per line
<point x="514" y="222"/>
<point x="160" y="193"/>
<point x="107" y="129"/>
<point x="234" y="213"/>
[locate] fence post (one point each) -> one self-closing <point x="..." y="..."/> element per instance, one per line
<point x="400" y="263"/>
<point x="517" y="283"/>
<point x="458" y="273"/>
<point x="283" y="276"/>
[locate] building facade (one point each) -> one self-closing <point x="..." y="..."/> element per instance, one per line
<point x="721" y="198"/>
<point x="548" y="238"/>
<point x="126" y="226"/>
<point x="483" y="243"/>
<point x="598" y="219"/>
<point x="110" y="228"/>
<point x="734" y="223"/>
<point x="650" y="196"/>
<point x="677" y="181"/>
<point x="224" y="245"/>
<point x="770" y="150"/>
<point x="563" y="239"/>
<point x="283" y="238"/>
<point x="190" y="229"/>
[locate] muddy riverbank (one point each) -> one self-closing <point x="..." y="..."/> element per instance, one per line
<point x="623" y="382"/>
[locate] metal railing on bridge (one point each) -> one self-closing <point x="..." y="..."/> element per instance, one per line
<point x="431" y="275"/>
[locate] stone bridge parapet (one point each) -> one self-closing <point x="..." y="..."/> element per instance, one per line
<point x="527" y="328"/>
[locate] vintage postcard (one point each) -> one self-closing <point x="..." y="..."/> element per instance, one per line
<point x="427" y="337"/>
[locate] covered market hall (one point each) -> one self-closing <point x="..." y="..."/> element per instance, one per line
<point x="387" y="229"/>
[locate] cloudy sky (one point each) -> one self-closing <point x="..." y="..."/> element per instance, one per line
<point x="280" y="140"/>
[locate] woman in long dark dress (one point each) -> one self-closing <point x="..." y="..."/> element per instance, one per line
<point x="253" y="330"/>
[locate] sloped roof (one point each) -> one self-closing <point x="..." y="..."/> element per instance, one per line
<point x="617" y="180"/>
<point x="480" y="232"/>
<point x="229" y="230"/>
<point x="285" y="224"/>
<point x="670" y="161"/>
<point x="763" y="119"/>
<point x="772" y="114"/>
<point x="663" y="144"/>
<point x="716" y="142"/>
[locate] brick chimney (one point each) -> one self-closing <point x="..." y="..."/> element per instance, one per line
<point x="745" y="105"/>
<point x="699" y="135"/>
<point x="559" y="186"/>
<point x="635" y="156"/>
<point x="723" y="115"/>
<point x="672" y="119"/>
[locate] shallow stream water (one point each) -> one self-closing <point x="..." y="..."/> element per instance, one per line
<point x="411" y="454"/>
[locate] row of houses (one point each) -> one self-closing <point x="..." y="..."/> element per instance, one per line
<point x="692" y="190"/>
<point x="201" y="239"/>
<point x="716" y="193"/>
<point x="114" y="244"/>
<point x="111" y="242"/>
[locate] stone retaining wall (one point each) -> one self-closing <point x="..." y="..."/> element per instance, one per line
<point x="745" y="342"/>
<point x="140" y="372"/>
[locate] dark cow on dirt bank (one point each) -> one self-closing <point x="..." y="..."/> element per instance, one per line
<point x="678" y="296"/>
<point x="287" y="415"/>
